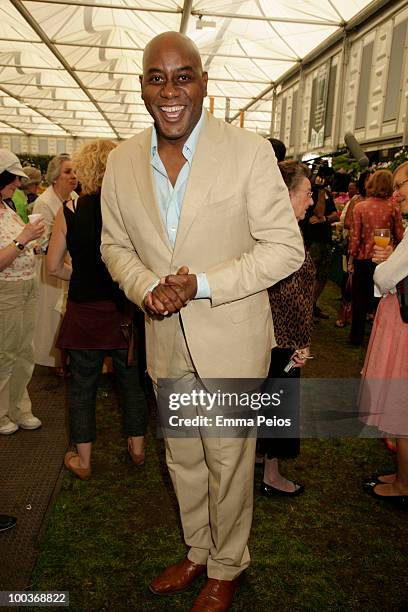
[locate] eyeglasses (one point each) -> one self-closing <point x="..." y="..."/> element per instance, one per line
<point x="297" y="191"/>
<point x="397" y="186"/>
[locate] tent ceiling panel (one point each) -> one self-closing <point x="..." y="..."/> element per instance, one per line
<point x="114" y="27"/>
<point x="73" y="65"/>
<point x="9" y="129"/>
<point x="12" y="26"/>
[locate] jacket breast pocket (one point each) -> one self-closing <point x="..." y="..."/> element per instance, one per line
<point x="225" y="206"/>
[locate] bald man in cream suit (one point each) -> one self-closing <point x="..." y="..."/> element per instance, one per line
<point x="200" y="206"/>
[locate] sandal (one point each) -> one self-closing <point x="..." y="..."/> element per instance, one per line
<point x="373" y="480"/>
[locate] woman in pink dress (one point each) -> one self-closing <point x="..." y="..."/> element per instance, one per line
<point x="384" y="389"/>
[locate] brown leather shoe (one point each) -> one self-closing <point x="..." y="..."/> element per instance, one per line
<point x="216" y="596"/>
<point x="176" y="577"/>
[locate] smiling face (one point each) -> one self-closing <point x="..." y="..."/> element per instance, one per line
<point x="301" y="198"/>
<point x="67" y="180"/>
<point x="173" y="86"/>
<point x="8" y="190"/>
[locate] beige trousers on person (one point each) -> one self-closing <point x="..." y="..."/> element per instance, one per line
<point x="17" y="316"/>
<point x="213" y="481"/>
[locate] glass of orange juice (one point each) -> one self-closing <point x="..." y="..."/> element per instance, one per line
<point x="382" y="237"/>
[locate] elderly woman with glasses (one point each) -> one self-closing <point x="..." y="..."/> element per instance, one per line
<point x="62" y="181"/>
<point x="291" y="303"/>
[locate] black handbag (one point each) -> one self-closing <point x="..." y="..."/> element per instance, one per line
<point x="402" y="292"/>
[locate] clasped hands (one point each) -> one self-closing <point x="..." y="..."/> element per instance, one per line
<point x="172" y="293"/>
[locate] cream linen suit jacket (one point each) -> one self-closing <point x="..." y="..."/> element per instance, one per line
<point x="236" y="225"/>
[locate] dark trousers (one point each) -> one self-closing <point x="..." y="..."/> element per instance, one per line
<point x="86" y="368"/>
<point x="279" y="447"/>
<point x="362" y="298"/>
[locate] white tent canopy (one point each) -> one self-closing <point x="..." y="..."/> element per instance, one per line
<point x="70" y="67"/>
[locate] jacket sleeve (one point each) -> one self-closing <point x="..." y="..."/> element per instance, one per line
<point x="118" y="252"/>
<point x="278" y="249"/>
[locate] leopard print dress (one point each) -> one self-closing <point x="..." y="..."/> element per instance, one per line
<point x="291" y="303"/>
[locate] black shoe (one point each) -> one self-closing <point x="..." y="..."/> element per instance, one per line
<point x="268" y="491"/>
<point x="319" y="314"/>
<point x="400" y="501"/>
<point x="7" y="522"/>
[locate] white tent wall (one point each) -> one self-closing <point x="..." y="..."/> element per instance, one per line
<point x="41" y="145"/>
<point x="370" y="97"/>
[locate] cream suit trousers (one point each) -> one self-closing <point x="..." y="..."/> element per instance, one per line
<point x="17" y="316"/>
<point x="213" y="481"/>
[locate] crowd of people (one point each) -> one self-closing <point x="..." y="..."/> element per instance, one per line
<point x="226" y="252"/>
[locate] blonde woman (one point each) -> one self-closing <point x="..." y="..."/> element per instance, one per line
<point x="91" y="328"/>
<point x="62" y="182"/>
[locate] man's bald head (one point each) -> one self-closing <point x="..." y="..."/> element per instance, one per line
<point x="173" y="86"/>
<point x="171" y="40"/>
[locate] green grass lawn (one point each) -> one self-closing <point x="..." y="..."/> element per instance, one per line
<point x="334" y="548"/>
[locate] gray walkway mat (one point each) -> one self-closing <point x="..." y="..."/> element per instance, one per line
<point x="30" y="468"/>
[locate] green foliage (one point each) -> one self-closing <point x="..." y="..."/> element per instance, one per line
<point x="399" y="158"/>
<point x="347" y="163"/>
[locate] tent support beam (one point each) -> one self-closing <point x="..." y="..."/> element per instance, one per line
<point x="321" y="22"/>
<point x="136" y="9"/>
<point x="185" y="17"/>
<point x="14" y="127"/>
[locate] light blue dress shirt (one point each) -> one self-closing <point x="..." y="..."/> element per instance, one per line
<point x="170" y="199"/>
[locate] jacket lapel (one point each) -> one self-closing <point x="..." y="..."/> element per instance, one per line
<point x="205" y="167"/>
<point x="143" y="176"/>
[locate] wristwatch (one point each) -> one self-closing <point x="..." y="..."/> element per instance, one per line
<point x="18" y="245"/>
